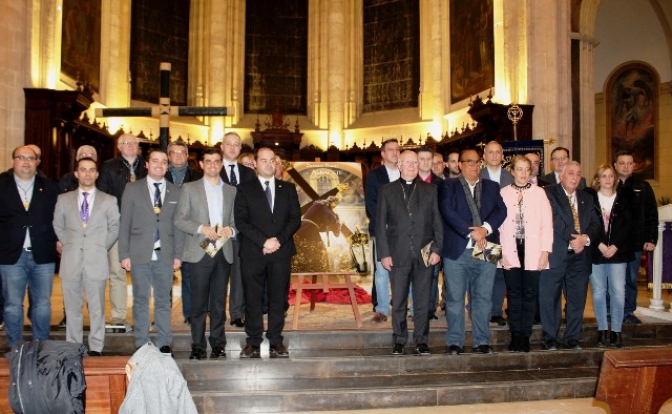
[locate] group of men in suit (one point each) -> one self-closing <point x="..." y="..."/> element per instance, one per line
<point x="470" y="212"/>
<point x="160" y="214"/>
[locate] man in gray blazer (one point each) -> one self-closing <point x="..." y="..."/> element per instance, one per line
<point x="86" y="222"/>
<point x="150" y="247"/>
<point x="205" y="212"/>
<point x="408" y="219"/>
<point x="493" y="155"/>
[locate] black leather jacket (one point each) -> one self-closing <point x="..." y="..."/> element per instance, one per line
<point x="644" y="213"/>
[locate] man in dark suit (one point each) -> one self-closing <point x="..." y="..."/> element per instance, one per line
<point x="235" y="173"/>
<point x="27" y="245"/>
<point x="408" y="220"/>
<point x="151" y="248"/>
<point x="472" y="211"/>
<point x="559" y="158"/>
<point x="179" y="173"/>
<point x="205" y="211"/>
<point x="378" y="177"/>
<point x="426" y="173"/>
<point x="267" y="214"/>
<point x="115" y="173"/>
<point x="535" y="160"/>
<point x="493" y="154"/>
<point x="645" y="217"/>
<point x="575" y="223"/>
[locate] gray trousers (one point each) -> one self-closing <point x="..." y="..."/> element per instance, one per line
<point x="159" y="276"/>
<point x="74" y="287"/>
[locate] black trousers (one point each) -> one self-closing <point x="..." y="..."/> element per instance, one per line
<point x="403" y="274"/>
<point x="523" y="287"/>
<point x="275" y="272"/>
<point x="209" y="278"/>
<point x="236" y="295"/>
<point x="573" y="273"/>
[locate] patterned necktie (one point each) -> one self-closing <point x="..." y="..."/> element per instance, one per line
<point x="575" y="214"/>
<point x="157" y="206"/>
<point x="234" y="179"/>
<point x="84" y="213"/>
<point x="269" y="195"/>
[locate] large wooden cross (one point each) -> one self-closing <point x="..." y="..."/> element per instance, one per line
<point x="163" y="110"/>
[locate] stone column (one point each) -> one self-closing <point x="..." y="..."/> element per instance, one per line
<point x="336" y="70"/>
<point x="536" y="32"/>
<point x="587" y="103"/>
<point x="115" y="53"/>
<point x="434" y="39"/>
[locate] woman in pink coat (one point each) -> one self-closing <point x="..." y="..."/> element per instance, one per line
<point x="527" y="238"/>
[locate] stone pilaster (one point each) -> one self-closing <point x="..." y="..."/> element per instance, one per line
<point x="435" y="57"/>
<point x="115" y="48"/>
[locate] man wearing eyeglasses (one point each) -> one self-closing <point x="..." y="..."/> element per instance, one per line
<point x="27" y="245"/>
<point x="560" y="158"/>
<point x="114" y="175"/>
<point x="235" y="173"/>
<point x="180" y="173"/>
<point x="473" y="211"/>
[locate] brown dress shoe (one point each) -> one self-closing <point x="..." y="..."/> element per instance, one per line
<point x="250" y="351"/>
<point x="279" y="351"/>
<point x="378" y="317"/>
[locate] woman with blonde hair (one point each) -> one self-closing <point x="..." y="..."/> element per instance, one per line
<point x="610" y="253"/>
<point x="527" y="239"/>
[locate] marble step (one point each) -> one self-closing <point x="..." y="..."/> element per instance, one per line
<point x="122" y="343"/>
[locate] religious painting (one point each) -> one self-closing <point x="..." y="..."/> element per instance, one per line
<point x="159" y="33"/>
<point x="632" y="106"/>
<point x="333" y="236"/>
<point x="391" y="54"/>
<point x="472" y="48"/>
<point x="80" y="46"/>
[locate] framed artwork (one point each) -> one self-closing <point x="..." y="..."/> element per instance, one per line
<point x="80" y="51"/>
<point x="472" y="48"/>
<point x="632" y="115"/>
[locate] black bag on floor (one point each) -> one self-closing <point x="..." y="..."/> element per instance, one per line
<point x="47" y="377"/>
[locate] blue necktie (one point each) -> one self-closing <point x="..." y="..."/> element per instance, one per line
<point x="234" y="179"/>
<point x="157" y="204"/>
<point x="269" y="195"/>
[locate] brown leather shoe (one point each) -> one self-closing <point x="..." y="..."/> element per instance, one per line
<point x="250" y="351"/>
<point x="378" y="317"/>
<point x="279" y="351"/>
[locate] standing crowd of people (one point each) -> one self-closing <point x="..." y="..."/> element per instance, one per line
<point x="229" y="227"/>
<point x="556" y="235"/>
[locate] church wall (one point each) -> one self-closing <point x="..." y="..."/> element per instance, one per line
<point x="630" y="30"/>
<point x="14" y="59"/>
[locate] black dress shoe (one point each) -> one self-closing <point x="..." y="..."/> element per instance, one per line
<point x="197" y="354"/>
<point x="602" y="340"/>
<point x="398" y="349"/>
<point x="573" y="344"/>
<point x="455" y="350"/>
<point x="250" y="351"/>
<point x="514" y="345"/>
<point x="278" y="351"/>
<point x="166" y="350"/>
<point x="238" y="323"/>
<point x="432" y="315"/>
<point x="187" y="321"/>
<point x="218" y="352"/>
<point x="422" y="349"/>
<point x="524" y="343"/>
<point x="95" y="353"/>
<point x="499" y="320"/>
<point x="551" y="345"/>
<point x="616" y="340"/>
<point x="483" y="349"/>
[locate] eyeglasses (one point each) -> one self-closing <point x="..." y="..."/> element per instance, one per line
<point x="129" y="143"/>
<point x="471" y="163"/>
<point x="248" y="164"/>
<point x="25" y="158"/>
